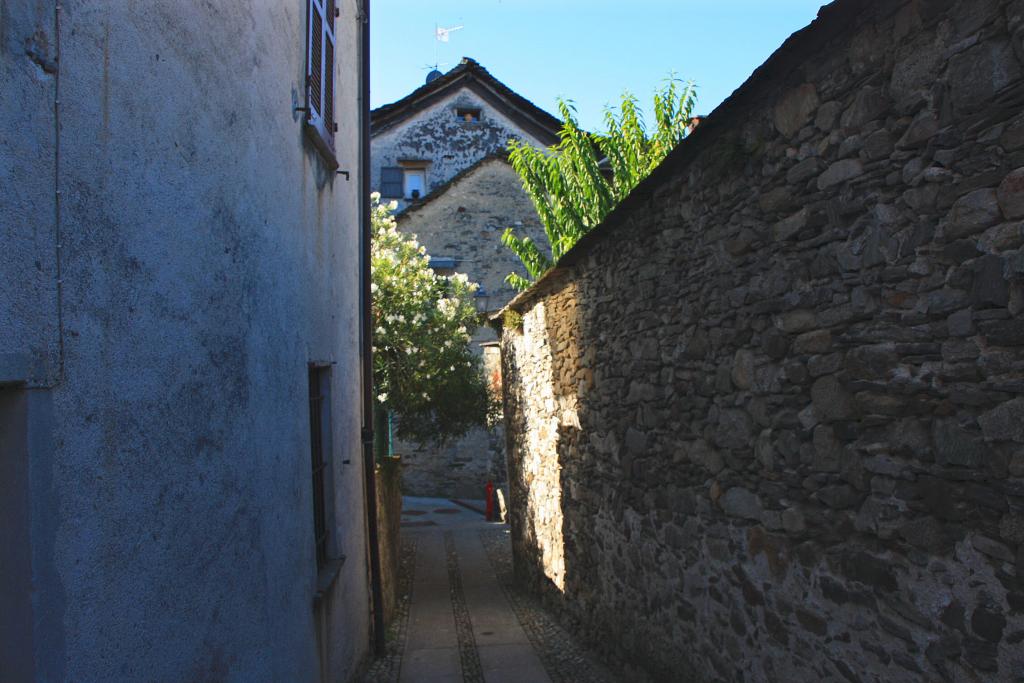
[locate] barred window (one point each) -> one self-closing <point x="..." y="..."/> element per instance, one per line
<point x="319" y="440"/>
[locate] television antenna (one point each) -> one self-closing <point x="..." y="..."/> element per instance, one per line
<point x="442" y="35"/>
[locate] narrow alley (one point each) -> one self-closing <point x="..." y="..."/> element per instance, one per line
<point x="461" y="617"/>
<point x="280" y="299"/>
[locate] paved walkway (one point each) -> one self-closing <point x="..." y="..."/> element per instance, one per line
<point x="463" y="619"/>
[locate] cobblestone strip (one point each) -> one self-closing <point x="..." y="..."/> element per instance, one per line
<point x="471" y="669"/>
<point x="388" y="669"/>
<point x="563" y="658"/>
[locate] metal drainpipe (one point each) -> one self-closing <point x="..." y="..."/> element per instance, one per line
<point x="373" y="540"/>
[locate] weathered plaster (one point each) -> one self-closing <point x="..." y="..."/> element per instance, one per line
<point x="450" y="145"/>
<point x="27" y="260"/>
<point x="208" y="255"/>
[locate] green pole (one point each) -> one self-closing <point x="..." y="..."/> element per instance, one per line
<point x="391" y="434"/>
<point x="381" y="444"/>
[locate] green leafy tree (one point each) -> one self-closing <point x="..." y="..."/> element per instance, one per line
<point x="424" y="371"/>
<point x="576" y="183"/>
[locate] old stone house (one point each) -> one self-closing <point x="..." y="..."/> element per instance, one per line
<point x="182" y="485"/>
<point x="440" y="153"/>
<point x="765" y="422"/>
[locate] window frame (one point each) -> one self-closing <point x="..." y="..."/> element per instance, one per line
<point x="408" y="173"/>
<point x="476" y="114"/>
<point x="321" y="464"/>
<point x="321" y="67"/>
<point x="414" y="166"/>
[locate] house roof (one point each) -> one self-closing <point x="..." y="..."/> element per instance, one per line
<point x="469" y="74"/>
<point x="441" y="189"/>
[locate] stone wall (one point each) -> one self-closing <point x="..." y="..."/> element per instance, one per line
<point x="764" y="424"/>
<point x="459" y="468"/>
<point x="465" y="222"/>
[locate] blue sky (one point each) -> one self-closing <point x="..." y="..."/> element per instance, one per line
<point x="588" y="51"/>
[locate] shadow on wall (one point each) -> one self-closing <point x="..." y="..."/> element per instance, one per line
<point x="765" y="424"/>
<point x="578" y="478"/>
<point x="556" y="535"/>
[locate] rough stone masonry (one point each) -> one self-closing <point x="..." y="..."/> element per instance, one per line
<point x="766" y="423"/>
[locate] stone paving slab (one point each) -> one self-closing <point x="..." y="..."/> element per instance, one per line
<point x="515" y="662"/>
<point x="564" y="658"/>
<point x="506" y="647"/>
<point x="432" y="647"/>
<point x="434" y="664"/>
<point x="460" y="617"/>
<point x="490" y="610"/>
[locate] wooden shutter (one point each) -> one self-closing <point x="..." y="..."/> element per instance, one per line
<point x="391" y="181"/>
<point x="320" y="68"/>
<point x="329" y="42"/>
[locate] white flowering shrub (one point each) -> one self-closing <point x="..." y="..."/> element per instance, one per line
<point x="424" y="371"/>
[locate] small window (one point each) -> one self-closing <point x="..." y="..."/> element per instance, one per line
<point x="468" y="115"/>
<point x="414" y="183"/>
<point x="320" y="45"/>
<point x="444" y="265"/>
<point x="320" y="448"/>
<point x="408" y="181"/>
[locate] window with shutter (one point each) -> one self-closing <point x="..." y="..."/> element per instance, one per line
<point x="320" y="74"/>
<point x="391" y="178"/>
<point x="414" y="183"/>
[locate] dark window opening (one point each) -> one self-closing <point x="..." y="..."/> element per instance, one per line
<point x="319" y="438"/>
<point x="468" y="115"/>
<point x="443" y="265"/>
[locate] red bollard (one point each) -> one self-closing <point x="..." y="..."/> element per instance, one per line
<point x="489" y="497"/>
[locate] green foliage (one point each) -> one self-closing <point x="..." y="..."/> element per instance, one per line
<point x="424" y="371"/>
<point x="567" y="183"/>
<point x="512" y="320"/>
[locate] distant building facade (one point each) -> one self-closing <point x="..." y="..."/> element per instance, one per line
<point x="440" y="153"/>
<point x="181" y="480"/>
